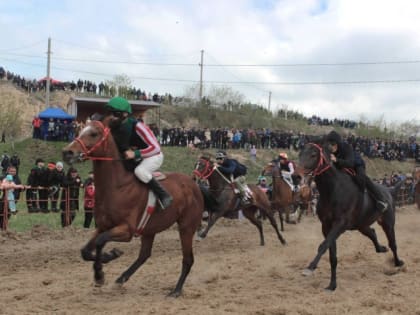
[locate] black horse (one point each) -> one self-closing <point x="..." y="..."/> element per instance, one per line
<point x="342" y="206"/>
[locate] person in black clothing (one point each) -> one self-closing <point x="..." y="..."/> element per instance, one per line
<point x="15" y="161"/>
<point x="37" y="196"/>
<point x="229" y="168"/>
<point x="55" y="182"/>
<point x="343" y="156"/>
<point x="70" y="195"/>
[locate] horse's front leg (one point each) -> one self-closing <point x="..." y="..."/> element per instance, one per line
<point x="331" y="236"/>
<point x="87" y="251"/>
<point x="333" y="266"/>
<point x="116" y="234"/>
<point x="213" y="217"/>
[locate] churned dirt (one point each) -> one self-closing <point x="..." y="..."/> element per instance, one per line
<point x="41" y="272"/>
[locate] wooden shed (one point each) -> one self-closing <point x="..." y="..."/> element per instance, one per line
<point x="84" y="107"/>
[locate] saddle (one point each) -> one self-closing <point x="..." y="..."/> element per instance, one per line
<point x="158" y="175"/>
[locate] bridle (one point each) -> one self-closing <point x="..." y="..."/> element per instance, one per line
<point x="86" y="151"/>
<point x="208" y="169"/>
<point x="323" y="163"/>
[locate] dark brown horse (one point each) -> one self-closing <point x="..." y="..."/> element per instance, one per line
<point x="283" y="198"/>
<point x="223" y="199"/>
<point x="342" y="206"/>
<point x="416" y="177"/>
<point x="121" y="201"/>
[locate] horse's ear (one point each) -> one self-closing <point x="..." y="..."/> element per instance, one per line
<point x="97" y="116"/>
<point x="105" y="120"/>
<point x="316" y="139"/>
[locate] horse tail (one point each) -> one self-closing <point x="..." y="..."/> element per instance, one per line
<point x="394" y="189"/>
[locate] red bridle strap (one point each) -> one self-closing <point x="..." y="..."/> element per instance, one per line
<point x="207" y="171"/>
<point x="87" y="151"/>
<point x="323" y="163"/>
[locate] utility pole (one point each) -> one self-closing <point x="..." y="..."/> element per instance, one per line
<point x="47" y="95"/>
<point x="269" y="100"/>
<point x="201" y="76"/>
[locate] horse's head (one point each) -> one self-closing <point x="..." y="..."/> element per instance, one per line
<point x="271" y="169"/>
<point x="204" y="167"/>
<point x="313" y="161"/>
<point x="91" y="142"/>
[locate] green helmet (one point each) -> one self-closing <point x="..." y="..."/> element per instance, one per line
<point x="118" y="104"/>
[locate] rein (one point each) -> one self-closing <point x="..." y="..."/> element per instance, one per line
<point x="209" y="169"/>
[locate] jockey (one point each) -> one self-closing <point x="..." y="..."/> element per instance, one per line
<point x="229" y="168"/>
<point x="343" y="156"/>
<point x="136" y="141"/>
<point x="287" y="169"/>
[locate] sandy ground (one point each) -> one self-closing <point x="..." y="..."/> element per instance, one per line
<point x="41" y="272"/>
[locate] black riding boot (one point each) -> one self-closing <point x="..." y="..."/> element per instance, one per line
<point x="164" y="197"/>
<point x="374" y="191"/>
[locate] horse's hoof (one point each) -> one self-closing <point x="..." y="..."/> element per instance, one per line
<point x="174" y="294"/>
<point x="121" y="280"/>
<point x="382" y="249"/>
<point x="116" y="252"/>
<point x="307" y="272"/>
<point x="330" y="289"/>
<point x="99" y="282"/>
<point x="399" y="263"/>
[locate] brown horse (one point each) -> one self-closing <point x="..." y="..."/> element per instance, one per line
<point x="283" y="198"/>
<point x="223" y="200"/>
<point x="121" y="201"/>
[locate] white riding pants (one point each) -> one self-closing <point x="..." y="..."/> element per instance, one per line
<point x="144" y="170"/>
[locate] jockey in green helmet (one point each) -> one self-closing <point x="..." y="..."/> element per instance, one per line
<point x="136" y="141"/>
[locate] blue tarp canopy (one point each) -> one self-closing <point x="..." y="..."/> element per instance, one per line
<point x="56" y="113"/>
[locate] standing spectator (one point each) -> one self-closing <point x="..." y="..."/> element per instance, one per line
<point x="15" y="161"/>
<point x="55" y="182"/>
<point x="10" y="186"/>
<point x="5" y="162"/>
<point x="253" y="153"/>
<point x="89" y="199"/>
<point x="70" y="196"/>
<point x="11" y="170"/>
<point x="51" y="129"/>
<point x="36" y="124"/>
<point x="3" y="137"/>
<point x="36" y="197"/>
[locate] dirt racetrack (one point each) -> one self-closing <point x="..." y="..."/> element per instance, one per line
<point x="42" y="272"/>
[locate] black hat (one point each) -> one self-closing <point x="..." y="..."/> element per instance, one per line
<point x="39" y="160"/>
<point x="333" y="137"/>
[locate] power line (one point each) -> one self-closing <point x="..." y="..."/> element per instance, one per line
<point x="57" y="57"/>
<point x="23" y="47"/>
<point x="353" y="82"/>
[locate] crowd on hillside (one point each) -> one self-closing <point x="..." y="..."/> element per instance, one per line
<point x="265" y="138"/>
<point x="81" y="86"/>
<point x="103" y="89"/>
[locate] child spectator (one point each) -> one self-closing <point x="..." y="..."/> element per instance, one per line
<point x="89" y="199"/>
<point x="10" y="186"/>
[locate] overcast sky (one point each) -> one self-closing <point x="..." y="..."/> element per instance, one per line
<point x="344" y="58"/>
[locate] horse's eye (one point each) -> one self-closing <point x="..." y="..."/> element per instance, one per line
<point x="94" y="134"/>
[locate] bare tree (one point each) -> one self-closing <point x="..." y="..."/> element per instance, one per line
<point x="11" y="116"/>
<point x="121" y="83"/>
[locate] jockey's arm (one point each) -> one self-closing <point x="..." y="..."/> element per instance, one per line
<point x="291" y="168"/>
